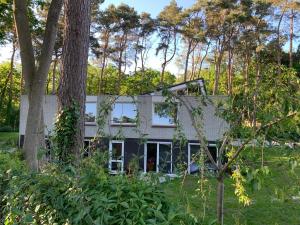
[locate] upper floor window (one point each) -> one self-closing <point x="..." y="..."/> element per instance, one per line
<point x="164" y="114"/>
<point x="124" y="113"/>
<point x="90" y="112"/>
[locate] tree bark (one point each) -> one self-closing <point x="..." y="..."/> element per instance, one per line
<point x="187" y="60"/>
<point x="35" y="75"/>
<point x="167" y="60"/>
<point x="74" y="65"/>
<point x="54" y="75"/>
<point x="229" y="72"/>
<point x="103" y="63"/>
<point x="278" y="38"/>
<point x="292" y="16"/>
<point x="217" y="74"/>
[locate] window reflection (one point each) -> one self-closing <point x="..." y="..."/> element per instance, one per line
<point x="90" y="112"/>
<point x="124" y="113"/>
<point x="164" y="114"/>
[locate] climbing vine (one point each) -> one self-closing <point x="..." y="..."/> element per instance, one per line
<point x="65" y="127"/>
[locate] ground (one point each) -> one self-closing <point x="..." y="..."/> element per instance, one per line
<point x="276" y="203"/>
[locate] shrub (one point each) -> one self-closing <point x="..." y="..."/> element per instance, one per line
<point x="10" y="166"/>
<point x="87" y="196"/>
<point x="6" y="128"/>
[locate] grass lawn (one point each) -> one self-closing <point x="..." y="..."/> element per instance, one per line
<point x="8" y="140"/>
<point x="272" y="204"/>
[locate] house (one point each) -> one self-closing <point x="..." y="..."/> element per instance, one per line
<point x="142" y="126"/>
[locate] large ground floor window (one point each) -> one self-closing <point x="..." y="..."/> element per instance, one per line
<point x="158" y="157"/>
<point x="194" y="156"/>
<point x="116" y="156"/>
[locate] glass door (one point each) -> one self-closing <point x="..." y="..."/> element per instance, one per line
<point x="116" y="156"/>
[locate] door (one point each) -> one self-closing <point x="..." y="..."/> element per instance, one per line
<point x="116" y="156"/>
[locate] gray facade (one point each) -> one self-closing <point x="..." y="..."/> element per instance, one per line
<point x="213" y="126"/>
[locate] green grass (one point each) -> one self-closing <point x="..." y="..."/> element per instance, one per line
<point x="267" y="208"/>
<point x="8" y="140"/>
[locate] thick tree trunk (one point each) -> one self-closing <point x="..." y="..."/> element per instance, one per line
<point x="74" y="65"/>
<point x="220" y="200"/>
<point x="35" y="75"/>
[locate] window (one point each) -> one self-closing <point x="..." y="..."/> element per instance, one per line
<point x="116" y="156"/>
<point x="90" y="112"/>
<point x="164" y="114"/>
<point x="158" y="157"/>
<point x="193" y="157"/>
<point x="124" y="113"/>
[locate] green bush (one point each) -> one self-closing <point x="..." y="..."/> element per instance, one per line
<point x="87" y="196"/>
<point x="6" y="128"/>
<point x="10" y="166"/>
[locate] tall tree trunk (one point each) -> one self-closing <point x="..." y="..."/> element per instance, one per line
<point x="187" y="60"/>
<point x="53" y="92"/>
<point x="72" y="87"/>
<point x="35" y="75"/>
<point x="119" y="71"/>
<point x="229" y="72"/>
<point x="217" y="74"/>
<point x="167" y="60"/>
<point x="202" y="60"/>
<point x="103" y="63"/>
<point x="278" y="38"/>
<point x="220" y="200"/>
<point x="256" y="85"/>
<point x="292" y="16"/>
<point x="136" y="56"/>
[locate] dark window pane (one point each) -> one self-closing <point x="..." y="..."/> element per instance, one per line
<point x="151" y="157"/>
<point x="195" y="154"/>
<point x="116" y="165"/>
<point x="117" y="151"/>
<point x="165" y="158"/>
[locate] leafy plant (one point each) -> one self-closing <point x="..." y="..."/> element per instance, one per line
<point x="87" y="196"/>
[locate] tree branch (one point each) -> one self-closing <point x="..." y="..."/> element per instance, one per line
<point x="240" y="149"/>
<point x="25" y="41"/>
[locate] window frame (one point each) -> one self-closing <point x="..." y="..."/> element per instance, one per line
<point x="198" y="144"/>
<point x="157" y="154"/>
<point x="123" y="124"/>
<point x="114" y="160"/>
<point x="162" y="125"/>
<point x="95" y="122"/>
<point x="189" y="154"/>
